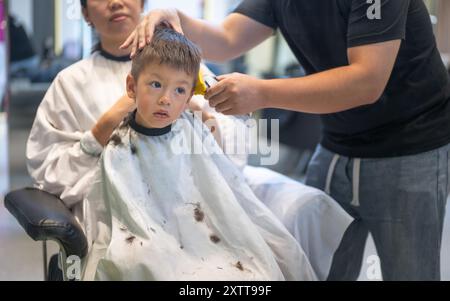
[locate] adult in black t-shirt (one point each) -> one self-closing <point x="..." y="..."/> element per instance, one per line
<point x="376" y="78"/>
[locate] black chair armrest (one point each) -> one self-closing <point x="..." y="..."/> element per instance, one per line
<point x="45" y="217"/>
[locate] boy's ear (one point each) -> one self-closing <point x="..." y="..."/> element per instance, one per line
<point x="131" y="87"/>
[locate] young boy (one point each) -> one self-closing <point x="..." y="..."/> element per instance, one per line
<point x="160" y="210"/>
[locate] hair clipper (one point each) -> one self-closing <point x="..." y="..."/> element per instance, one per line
<point x="210" y="81"/>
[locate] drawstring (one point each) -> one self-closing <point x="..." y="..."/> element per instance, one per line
<point x="355" y="182"/>
<point x="330" y="174"/>
<point x="356" y="174"/>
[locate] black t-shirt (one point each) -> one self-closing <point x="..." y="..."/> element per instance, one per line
<point x="413" y="114"/>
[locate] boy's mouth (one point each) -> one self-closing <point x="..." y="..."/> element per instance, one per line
<point x="161" y="114"/>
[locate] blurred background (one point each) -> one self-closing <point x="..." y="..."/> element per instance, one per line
<point x="39" y="38"/>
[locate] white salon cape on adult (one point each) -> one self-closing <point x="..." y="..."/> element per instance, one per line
<point x="62" y="158"/>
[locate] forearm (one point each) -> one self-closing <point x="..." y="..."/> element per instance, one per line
<point x="103" y="129"/>
<point x="327" y="92"/>
<point x="222" y="42"/>
<point x="109" y="121"/>
<point x="212" y="39"/>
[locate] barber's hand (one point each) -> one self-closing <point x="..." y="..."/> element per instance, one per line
<point x="143" y="33"/>
<point x="236" y="94"/>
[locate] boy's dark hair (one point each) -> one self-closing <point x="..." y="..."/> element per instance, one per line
<point x="171" y="48"/>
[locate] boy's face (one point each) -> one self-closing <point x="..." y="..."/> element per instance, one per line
<point x="161" y="93"/>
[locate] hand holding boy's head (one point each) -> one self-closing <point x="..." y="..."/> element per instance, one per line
<point x="163" y="77"/>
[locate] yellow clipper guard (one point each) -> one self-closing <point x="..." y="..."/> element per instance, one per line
<point x="200" y="85"/>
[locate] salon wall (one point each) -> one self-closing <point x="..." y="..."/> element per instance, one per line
<point x="192" y="8"/>
<point x="37" y="16"/>
<point x="68" y="27"/>
<point x="23" y="10"/>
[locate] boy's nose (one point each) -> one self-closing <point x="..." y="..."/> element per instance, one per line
<point x="164" y="100"/>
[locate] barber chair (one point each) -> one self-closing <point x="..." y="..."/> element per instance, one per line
<point x="45" y="217"/>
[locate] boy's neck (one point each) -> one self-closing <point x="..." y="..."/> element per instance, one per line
<point x="140" y="121"/>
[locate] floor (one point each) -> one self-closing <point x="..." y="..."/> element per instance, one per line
<point x="21" y="258"/>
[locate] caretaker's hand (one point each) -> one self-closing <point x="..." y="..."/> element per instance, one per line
<point x="143" y="33"/>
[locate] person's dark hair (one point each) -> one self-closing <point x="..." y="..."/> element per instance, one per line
<point x="171" y="48"/>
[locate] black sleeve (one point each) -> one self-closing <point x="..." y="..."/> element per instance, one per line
<point x="258" y="10"/>
<point x="364" y="29"/>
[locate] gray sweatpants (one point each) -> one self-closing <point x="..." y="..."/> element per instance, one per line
<point x="400" y="201"/>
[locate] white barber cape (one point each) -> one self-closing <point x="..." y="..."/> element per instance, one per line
<point x="175" y="208"/>
<point x="78" y="97"/>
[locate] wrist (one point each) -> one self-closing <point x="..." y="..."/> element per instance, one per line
<point x="264" y="93"/>
<point x="97" y="134"/>
<point x="101" y="129"/>
<point x="90" y="145"/>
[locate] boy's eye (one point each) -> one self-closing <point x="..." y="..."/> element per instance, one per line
<point x="156" y="85"/>
<point x="181" y="90"/>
